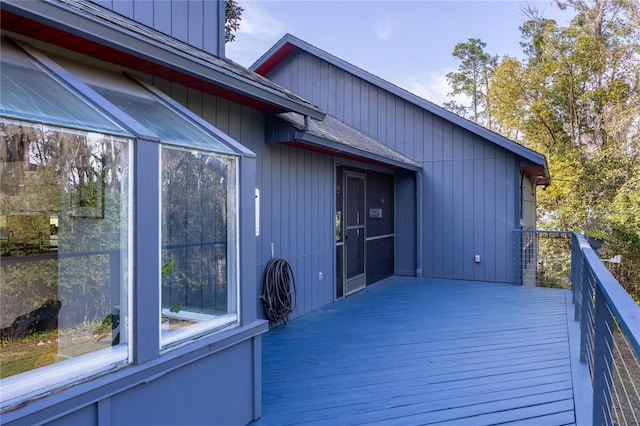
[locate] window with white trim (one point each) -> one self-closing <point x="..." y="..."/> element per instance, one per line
<point x="68" y="133"/>
<point x="198" y="237"/>
<point x="64" y="232"/>
<point x="199" y="213"/>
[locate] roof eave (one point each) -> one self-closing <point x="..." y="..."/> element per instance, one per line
<point x="63" y="17"/>
<point x="289" y="42"/>
<point x="539" y="174"/>
<point x="333" y="146"/>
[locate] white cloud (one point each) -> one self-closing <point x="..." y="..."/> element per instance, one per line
<point x="257" y="22"/>
<point x="431" y="86"/>
<point x="385" y="30"/>
<point x="259" y="30"/>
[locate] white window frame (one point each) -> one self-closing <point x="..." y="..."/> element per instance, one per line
<point x="206" y="324"/>
<point x="42" y="380"/>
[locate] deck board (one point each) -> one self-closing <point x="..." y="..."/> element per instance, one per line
<point x="412" y="351"/>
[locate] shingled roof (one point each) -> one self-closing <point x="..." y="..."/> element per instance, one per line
<point x="338" y="138"/>
<point x="289" y="43"/>
<point x="94" y="31"/>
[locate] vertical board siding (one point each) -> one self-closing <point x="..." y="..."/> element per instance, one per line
<point x="195" y="27"/>
<point x="191" y="21"/>
<point x="405" y="223"/>
<point x="458" y="215"/>
<point x="161" y="16"/>
<point x="294" y="186"/>
<point x="466" y="262"/>
<point x="468" y="206"/>
<point x="478" y="219"/>
<point x="143" y="11"/>
<point x="124" y="8"/>
<point x="180" y="20"/>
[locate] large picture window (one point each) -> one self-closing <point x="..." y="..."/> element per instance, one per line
<point x="67" y="223"/>
<point x="199" y="212"/>
<point x="199" y="242"/>
<point x="64" y="214"/>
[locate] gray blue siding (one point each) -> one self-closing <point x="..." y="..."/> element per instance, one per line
<point x="175" y="397"/>
<point x="191" y="21"/>
<point x="470" y="202"/>
<point x="213" y="380"/>
<point x="296" y="198"/>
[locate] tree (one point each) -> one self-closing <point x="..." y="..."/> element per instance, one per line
<point x="233" y="13"/>
<point x="472" y="78"/>
<point x="576" y="99"/>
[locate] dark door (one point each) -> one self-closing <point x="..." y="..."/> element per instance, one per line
<point x="355" y="232"/>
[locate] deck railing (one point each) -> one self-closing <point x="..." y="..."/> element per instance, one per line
<point x="609" y="318"/>
<point x="543" y="258"/>
<point x="610" y="337"/>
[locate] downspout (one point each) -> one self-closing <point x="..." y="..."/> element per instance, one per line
<point x="419" y="225"/>
<point x="307" y="123"/>
<point x="517" y="237"/>
<point x="521" y="214"/>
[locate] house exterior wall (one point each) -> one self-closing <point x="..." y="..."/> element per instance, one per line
<point x="178" y="397"/>
<point x="528" y="203"/>
<point x="190" y="21"/>
<point x="216" y="380"/>
<point x="296" y="199"/>
<point x="470" y="201"/>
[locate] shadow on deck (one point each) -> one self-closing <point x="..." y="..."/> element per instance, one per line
<point x="413" y="351"/>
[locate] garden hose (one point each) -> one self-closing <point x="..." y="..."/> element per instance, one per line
<point x="279" y="291"/>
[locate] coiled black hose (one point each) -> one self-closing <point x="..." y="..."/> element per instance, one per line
<point x="279" y="291"/>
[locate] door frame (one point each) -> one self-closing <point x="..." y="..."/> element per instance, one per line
<point x="359" y="281"/>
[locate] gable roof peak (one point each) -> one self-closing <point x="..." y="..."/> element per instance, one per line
<point x="288" y="43"/>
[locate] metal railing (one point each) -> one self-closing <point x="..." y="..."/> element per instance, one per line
<point x="608" y="317"/>
<point x="610" y="337"/>
<point x="542" y="258"/>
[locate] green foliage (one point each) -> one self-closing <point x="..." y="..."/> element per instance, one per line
<point x="576" y="99"/>
<point x="168" y="267"/>
<point x="233" y="13"/>
<point x="472" y="79"/>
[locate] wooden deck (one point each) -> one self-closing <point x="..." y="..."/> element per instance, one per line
<point x="409" y="351"/>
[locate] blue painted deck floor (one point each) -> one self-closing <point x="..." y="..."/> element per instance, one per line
<point x="409" y="351"/>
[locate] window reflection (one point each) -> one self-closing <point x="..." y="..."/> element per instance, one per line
<point x="63" y="244"/>
<point x="198" y="240"/>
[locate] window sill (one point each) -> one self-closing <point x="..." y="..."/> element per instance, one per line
<point x="91" y="390"/>
<point x="201" y="325"/>
<point x="34" y="383"/>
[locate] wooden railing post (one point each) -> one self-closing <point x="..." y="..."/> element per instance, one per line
<point x="602" y="360"/>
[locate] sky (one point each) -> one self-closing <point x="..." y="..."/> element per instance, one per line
<point x="408" y="43"/>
